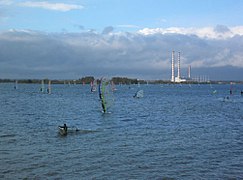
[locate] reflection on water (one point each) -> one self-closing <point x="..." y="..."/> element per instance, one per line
<point x="178" y="132"/>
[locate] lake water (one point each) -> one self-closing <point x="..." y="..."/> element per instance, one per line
<point x="173" y="132"/>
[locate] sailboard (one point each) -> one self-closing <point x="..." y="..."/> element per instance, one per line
<point x="105" y="94"/>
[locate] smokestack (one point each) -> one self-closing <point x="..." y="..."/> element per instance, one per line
<point x="179" y="67"/>
<point x="172" y="67"/>
<point x="189" y="72"/>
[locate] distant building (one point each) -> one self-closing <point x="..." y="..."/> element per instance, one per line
<point x="177" y="79"/>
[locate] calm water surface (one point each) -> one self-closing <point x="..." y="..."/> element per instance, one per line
<point x="174" y="132"/>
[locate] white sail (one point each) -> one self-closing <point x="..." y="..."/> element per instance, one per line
<point x="138" y="94"/>
<point x="93" y="85"/>
<point x="16" y="84"/>
<point x="42" y="86"/>
<point x="49" y="87"/>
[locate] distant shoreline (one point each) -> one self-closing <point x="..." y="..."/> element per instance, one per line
<point x="116" y="80"/>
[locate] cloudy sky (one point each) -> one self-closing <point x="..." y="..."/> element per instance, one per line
<point x="69" y="39"/>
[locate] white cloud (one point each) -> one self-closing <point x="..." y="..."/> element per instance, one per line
<point x="205" y="32"/>
<point x="236" y="60"/>
<point x="68" y="55"/>
<point x="237" y="30"/>
<point x="51" y="6"/>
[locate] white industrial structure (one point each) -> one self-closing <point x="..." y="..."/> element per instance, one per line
<point x="173" y="67"/>
<point x="189" y="72"/>
<point x="177" y="79"/>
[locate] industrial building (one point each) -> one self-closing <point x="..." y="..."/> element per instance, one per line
<point x="177" y="79"/>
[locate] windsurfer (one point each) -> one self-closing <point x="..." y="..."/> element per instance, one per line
<point x="64" y="127"/>
<point x="226" y="98"/>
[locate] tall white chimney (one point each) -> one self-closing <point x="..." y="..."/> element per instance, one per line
<point x="189" y="72"/>
<point x="179" y="66"/>
<point x="172" y="67"/>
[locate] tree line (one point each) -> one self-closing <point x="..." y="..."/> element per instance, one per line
<point x="115" y="80"/>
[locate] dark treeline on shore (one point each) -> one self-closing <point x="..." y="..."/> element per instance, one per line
<point x="115" y="80"/>
<point x="83" y="80"/>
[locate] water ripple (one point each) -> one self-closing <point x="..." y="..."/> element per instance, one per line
<point x="173" y="132"/>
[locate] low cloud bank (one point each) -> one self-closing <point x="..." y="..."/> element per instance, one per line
<point x="145" y="54"/>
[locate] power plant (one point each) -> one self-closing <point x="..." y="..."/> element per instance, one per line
<point x="179" y="78"/>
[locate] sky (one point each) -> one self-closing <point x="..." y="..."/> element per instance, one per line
<point x="69" y="39"/>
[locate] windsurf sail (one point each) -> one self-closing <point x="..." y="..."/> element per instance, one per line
<point x="49" y="87"/>
<point x="215" y="91"/>
<point x="231" y="88"/>
<point x="42" y="89"/>
<point x="93" y="85"/>
<point x="138" y="94"/>
<point x="105" y="94"/>
<point x="113" y="87"/>
<point x="16" y="85"/>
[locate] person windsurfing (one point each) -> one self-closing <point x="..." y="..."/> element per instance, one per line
<point x="63" y="129"/>
<point x="101" y="95"/>
<point x="102" y="100"/>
